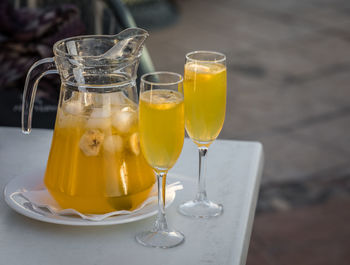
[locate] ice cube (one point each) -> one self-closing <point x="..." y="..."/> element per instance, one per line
<point x="101" y="112"/>
<point x="64" y="120"/>
<point x="135" y="143"/>
<point x="78" y="104"/>
<point x="73" y="107"/>
<point x="91" y="141"/>
<point x="99" y="118"/>
<point x="166" y="97"/>
<point x="196" y="67"/>
<point x="123" y="119"/>
<point x="113" y="143"/>
<point x="205" y="68"/>
<point x="67" y="120"/>
<point x="217" y="68"/>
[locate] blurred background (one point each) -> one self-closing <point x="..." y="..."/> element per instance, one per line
<point x="288" y="87"/>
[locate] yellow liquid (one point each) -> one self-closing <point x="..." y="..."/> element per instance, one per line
<point x="205" y="101"/>
<point x="162" y="127"/>
<point x="114" y="177"/>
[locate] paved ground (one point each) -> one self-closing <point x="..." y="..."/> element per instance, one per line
<point x="303" y="236"/>
<point x="303" y="222"/>
<point x="289" y="87"/>
<point x="288" y="76"/>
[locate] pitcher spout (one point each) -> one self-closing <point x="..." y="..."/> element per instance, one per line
<point x="128" y="44"/>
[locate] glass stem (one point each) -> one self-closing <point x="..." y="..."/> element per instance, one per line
<point x="161" y="223"/>
<point x="202" y="194"/>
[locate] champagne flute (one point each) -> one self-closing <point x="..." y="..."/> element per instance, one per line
<point x="205" y="107"/>
<point x="162" y="132"/>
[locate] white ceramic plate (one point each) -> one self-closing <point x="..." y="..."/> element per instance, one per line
<point x="32" y="182"/>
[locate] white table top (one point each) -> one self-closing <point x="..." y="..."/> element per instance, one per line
<point x="233" y="176"/>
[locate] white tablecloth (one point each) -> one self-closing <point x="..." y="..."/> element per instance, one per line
<point x="233" y="177"/>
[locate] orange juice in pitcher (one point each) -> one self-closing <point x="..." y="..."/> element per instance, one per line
<point x="95" y="163"/>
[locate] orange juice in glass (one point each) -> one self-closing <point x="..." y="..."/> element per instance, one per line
<point x="205" y="107"/>
<point x="162" y="132"/>
<point x="205" y="100"/>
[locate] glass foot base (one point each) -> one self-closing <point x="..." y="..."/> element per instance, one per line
<point x="160" y="239"/>
<point x="200" y="209"/>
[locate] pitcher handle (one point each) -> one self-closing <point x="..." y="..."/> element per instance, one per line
<point x="47" y="66"/>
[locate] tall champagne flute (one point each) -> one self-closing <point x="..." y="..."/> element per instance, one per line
<point x="205" y="107"/>
<point x="162" y="131"/>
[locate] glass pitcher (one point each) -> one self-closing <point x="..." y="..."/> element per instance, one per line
<point x="95" y="163"/>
